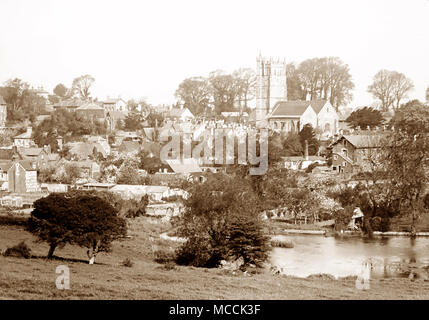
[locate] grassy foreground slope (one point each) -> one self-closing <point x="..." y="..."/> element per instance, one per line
<point x="109" y="279"/>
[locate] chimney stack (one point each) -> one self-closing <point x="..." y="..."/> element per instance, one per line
<point x="306" y="150"/>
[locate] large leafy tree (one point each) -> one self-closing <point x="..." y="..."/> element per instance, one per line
<point x="60" y="90"/>
<point x="133" y="121"/>
<point x="22" y="102"/>
<point x="81" y="87"/>
<point x="390" y="87"/>
<point x="223" y="90"/>
<point x="407" y="156"/>
<point x="85" y="220"/>
<point x="222" y="222"/>
<point x="365" y="117"/>
<point x="326" y="78"/>
<point x="194" y="94"/>
<point x="245" y="79"/>
<point x="99" y="225"/>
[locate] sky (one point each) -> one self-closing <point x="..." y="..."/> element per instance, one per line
<point x="144" y="49"/>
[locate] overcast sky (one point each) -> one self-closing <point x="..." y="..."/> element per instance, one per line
<point x="146" y="48"/>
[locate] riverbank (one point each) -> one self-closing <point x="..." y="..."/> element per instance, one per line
<point x="145" y="279"/>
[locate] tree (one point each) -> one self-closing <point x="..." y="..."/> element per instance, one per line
<point x="390" y="87"/>
<point x="365" y="117"/>
<point x="326" y="78"/>
<point x="85" y="220"/>
<point x="155" y="120"/>
<point x="245" y="79"/>
<point x="132" y="121"/>
<point x="307" y="134"/>
<point x="99" y="225"/>
<point x="194" y="93"/>
<point x="150" y="162"/>
<point x="60" y="90"/>
<point x="407" y="156"/>
<point x="81" y="87"/>
<point x="292" y="145"/>
<point x="221" y="222"/>
<point x="294" y="88"/>
<point x="128" y="172"/>
<point x="22" y="102"/>
<point x="223" y="90"/>
<point x="53" y="221"/>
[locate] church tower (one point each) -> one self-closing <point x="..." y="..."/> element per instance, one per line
<point x="271" y="87"/>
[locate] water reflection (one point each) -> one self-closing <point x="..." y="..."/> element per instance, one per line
<point x="344" y="256"/>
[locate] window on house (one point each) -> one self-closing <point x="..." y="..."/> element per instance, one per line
<point x="334" y="168"/>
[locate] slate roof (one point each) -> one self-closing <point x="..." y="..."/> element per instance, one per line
<point x="6" y="154"/>
<point x="296" y="108"/>
<point x="26" y="164"/>
<point x="69" y="104"/>
<point x="184" y="165"/>
<point x="177" y="113"/>
<point x="129" y="146"/>
<point x="363" y="141"/>
<point x="289" y="109"/>
<point x="90" y="106"/>
<point x="25" y="135"/>
<point x="30" y="152"/>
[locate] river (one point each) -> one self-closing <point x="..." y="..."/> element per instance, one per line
<point x="345" y="256"/>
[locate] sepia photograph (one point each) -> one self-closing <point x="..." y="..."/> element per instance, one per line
<point x="214" y="156"/>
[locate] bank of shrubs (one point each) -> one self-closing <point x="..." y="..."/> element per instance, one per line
<point x="21" y="250"/>
<point x="222" y="223"/>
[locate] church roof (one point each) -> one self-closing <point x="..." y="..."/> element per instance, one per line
<point x="289" y="108"/>
<point x="317" y="105"/>
<point x="296" y="108"/>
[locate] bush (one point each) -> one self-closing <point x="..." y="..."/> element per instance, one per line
<point x="21" y="250"/>
<point x="164" y="257"/>
<point x="380" y="224"/>
<point x="127" y="263"/>
<point x="426" y="201"/>
<point x="222" y="222"/>
<point x="13" y="221"/>
<point x="282" y="243"/>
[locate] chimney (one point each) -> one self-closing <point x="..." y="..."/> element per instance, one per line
<point x="306" y="150"/>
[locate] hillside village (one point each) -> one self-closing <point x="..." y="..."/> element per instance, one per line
<point x="116" y="145"/>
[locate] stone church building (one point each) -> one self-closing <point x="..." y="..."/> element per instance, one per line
<point x="274" y="111"/>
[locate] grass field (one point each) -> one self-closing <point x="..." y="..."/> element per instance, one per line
<point x="108" y="279"/>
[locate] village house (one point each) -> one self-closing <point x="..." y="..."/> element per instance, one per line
<point x="68" y="105"/>
<point x="3" y="112"/>
<point x="41" y="156"/>
<point x="18" y="176"/>
<point x="91" y="110"/>
<point x="24" y="139"/>
<point x="155" y="193"/>
<point x="88" y="150"/>
<point x="350" y="153"/>
<point x="115" y="105"/>
<point x="179" y="114"/>
<point x="302" y="162"/>
<point x="129" y="147"/>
